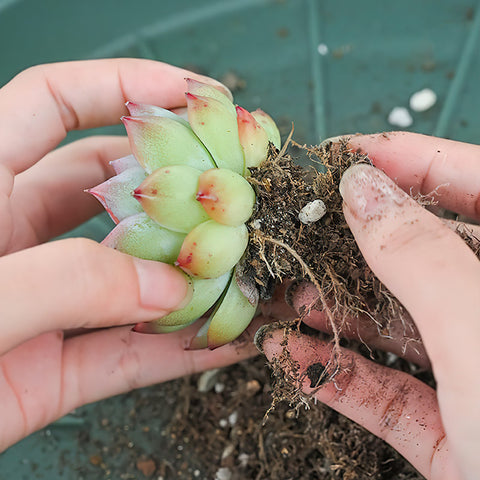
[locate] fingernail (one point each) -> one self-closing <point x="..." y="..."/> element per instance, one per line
<point x="337" y="139"/>
<point x="301" y="295"/>
<point x="162" y="287"/>
<point x="262" y="333"/>
<point x="367" y="191"/>
<point x="291" y="292"/>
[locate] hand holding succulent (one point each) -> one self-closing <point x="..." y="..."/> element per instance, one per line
<point x="57" y="298"/>
<point x="182" y="198"/>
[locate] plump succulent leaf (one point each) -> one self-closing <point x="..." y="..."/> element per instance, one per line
<point x="211" y="249"/>
<point x="215" y="123"/>
<point x="168" y="195"/>
<point x="223" y="95"/>
<point x="226" y="196"/>
<point x="161" y="141"/>
<point x="269" y="125"/>
<point x="125" y="163"/>
<point x="141" y="110"/>
<point x="205" y="293"/>
<point x="141" y="237"/>
<point x="115" y="194"/>
<point x="253" y="138"/>
<point x="231" y="318"/>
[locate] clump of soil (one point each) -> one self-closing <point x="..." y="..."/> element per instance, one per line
<point x="325" y="252"/>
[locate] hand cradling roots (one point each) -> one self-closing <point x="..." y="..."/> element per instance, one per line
<point x="323" y="252"/>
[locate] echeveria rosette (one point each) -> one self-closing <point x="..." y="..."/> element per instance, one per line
<point x="182" y="198"/>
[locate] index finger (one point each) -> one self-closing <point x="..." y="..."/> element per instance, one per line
<point x="422" y="164"/>
<point x="44" y="102"/>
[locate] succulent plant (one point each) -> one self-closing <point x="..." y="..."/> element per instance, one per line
<point x="182" y="198"/>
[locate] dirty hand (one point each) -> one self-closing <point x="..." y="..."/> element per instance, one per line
<point x="436" y="277"/>
<point x="49" y="289"/>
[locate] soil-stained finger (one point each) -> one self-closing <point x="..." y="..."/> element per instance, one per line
<point x="436" y="276"/>
<point x="391" y="404"/>
<point x="401" y="337"/>
<point x="427" y="164"/>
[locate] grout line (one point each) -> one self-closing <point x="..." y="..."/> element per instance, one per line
<point x="318" y="94"/>
<point x="460" y="77"/>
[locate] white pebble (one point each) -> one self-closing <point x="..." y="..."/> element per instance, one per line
<point x="423" y="100"/>
<point x="227" y="451"/>
<point x="400" y="117"/>
<point x="232" y="418"/>
<point x="312" y="212"/>
<point x="223" y="474"/>
<point x="223" y="422"/>
<point x="219" y="387"/>
<point x="243" y="459"/>
<point x="207" y="380"/>
<point x="322" y="49"/>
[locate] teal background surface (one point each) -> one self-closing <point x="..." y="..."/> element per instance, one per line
<point x="379" y="53"/>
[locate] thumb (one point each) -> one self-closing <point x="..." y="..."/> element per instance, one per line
<point x="78" y="283"/>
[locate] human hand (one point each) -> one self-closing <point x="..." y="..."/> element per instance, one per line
<point x="436" y="277"/>
<point x="47" y="289"/>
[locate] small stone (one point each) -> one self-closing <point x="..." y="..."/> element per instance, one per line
<point x="223" y="422"/>
<point x="400" y="117"/>
<point x="223" y="474"/>
<point x="322" y="49"/>
<point x="290" y="414"/>
<point x="95" y="460"/>
<point x="207" y="380"/>
<point x="219" y="387"/>
<point x="227" y="451"/>
<point x="147" y="466"/>
<point x="423" y="100"/>
<point x="243" y="459"/>
<point x="253" y="386"/>
<point x="312" y="212"/>
<point x="232" y="418"/>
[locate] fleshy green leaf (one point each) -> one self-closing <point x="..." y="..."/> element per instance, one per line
<point x="212" y="249"/>
<point x="231" y="318"/>
<point x="205" y="90"/>
<point x="124" y="163"/>
<point x="253" y="138"/>
<point x="205" y="293"/>
<point x="116" y="193"/>
<point x="160" y="141"/>
<point x="168" y="196"/>
<point x="141" y="237"/>
<point x="141" y="110"/>
<point x="266" y="121"/>
<point x="226" y="196"/>
<point x="215" y="123"/>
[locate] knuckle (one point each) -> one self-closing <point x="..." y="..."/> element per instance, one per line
<point x="391" y="413"/>
<point x="130" y="364"/>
